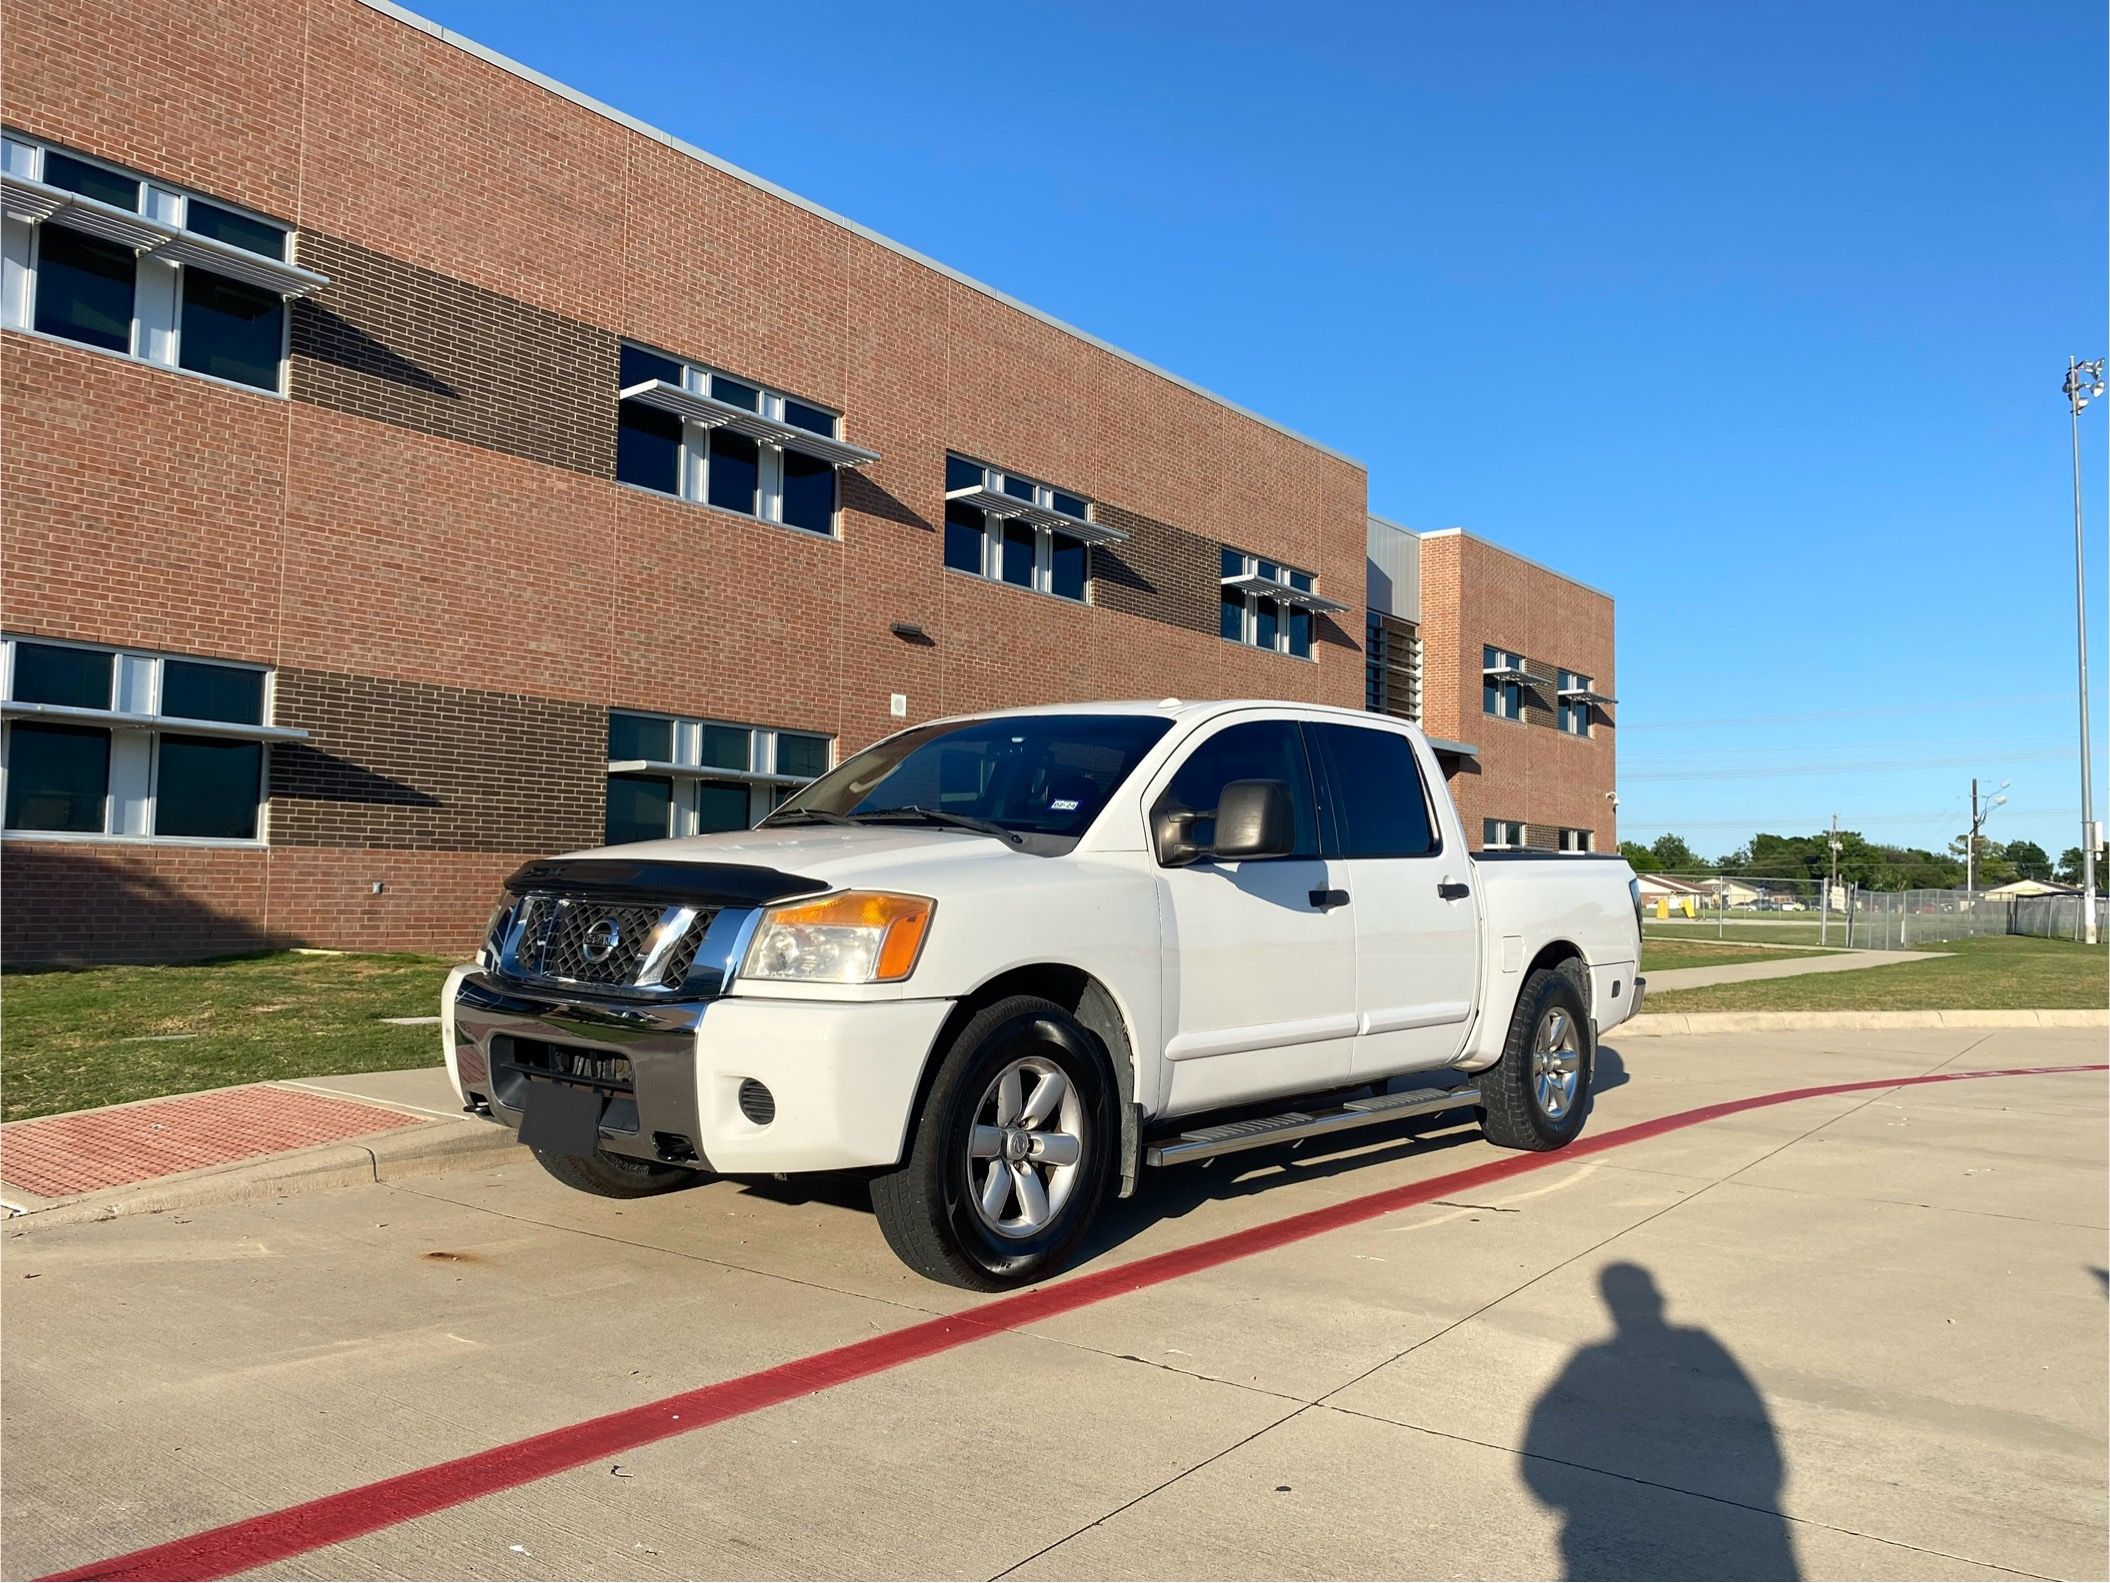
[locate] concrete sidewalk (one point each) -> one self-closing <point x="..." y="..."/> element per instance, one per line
<point x="1793" y="967"/>
<point x="222" y="1145"/>
<point x="1854" y="1335"/>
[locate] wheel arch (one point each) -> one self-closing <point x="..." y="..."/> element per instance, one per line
<point x="1084" y="997"/>
<point x="1556" y="956"/>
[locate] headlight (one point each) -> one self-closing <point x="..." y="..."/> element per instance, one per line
<point x="496" y="928"/>
<point x="858" y="937"/>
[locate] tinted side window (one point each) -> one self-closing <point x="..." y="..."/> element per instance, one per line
<point x="1262" y="750"/>
<point x="1379" y="804"/>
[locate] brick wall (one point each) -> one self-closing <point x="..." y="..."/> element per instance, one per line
<point x="413" y="347"/>
<point x="427" y="541"/>
<point x="407" y="765"/>
<point x="1474" y="594"/>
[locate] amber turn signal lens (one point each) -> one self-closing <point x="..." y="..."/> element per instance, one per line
<point x="857" y="936"/>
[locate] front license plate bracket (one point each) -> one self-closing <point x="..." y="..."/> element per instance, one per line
<point x="558" y="1118"/>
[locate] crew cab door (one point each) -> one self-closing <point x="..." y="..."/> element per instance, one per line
<point x="1417" y="927"/>
<point x="1259" y="957"/>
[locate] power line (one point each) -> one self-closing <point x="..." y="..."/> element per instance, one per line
<point x="1773" y="822"/>
<point x="1866" y="767"/>
<point x="1816" y="752"/>
<point x="1944" y="707"/>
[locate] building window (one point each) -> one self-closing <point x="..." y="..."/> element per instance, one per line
<point x="1501" y="835"/>
<point x="671" y="776"/>
<point x="1576" y="841"/>
<point x="1267" y="605"/>
<point x="117" y="742"/>
<point x="687" y="430"/>
<point x="1574" y="712"/>
<point x="110" y="259"/>
<point x="1502" y="683"/>
<point x="1013" y="529"/>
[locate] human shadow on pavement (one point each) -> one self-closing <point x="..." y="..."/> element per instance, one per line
<point x="1659" y="1407"/>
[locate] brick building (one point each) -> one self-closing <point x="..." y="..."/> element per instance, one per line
<point x="1511" y="678"/>
<point x="412" y="468"/>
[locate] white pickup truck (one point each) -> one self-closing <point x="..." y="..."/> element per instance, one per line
<point x="1001" y="963"/>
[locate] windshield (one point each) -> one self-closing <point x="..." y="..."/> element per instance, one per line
<point x="1036" y="775"/>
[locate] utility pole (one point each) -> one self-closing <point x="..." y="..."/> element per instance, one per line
<point x="1970" y="842"/>
<point x="2084" y="381"/>
<point x="1970" y="846"/>
<point x="1832" y="889"/>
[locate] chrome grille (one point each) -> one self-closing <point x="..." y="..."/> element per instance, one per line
<point x="611" y="945"/>
<point x="577" y="947"/>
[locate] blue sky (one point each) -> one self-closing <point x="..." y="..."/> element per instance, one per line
<point x="1752" y="315"/>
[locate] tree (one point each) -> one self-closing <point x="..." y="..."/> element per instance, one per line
<point x="1670" y="855"/>
<point x="2030" y="860"/>
<point x="2069" y="870"/>
<point x="1638" y="857"/>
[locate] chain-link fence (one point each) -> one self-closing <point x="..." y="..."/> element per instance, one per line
<point x="1763" y="910"/>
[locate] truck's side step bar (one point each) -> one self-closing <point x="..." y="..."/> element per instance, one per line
<point x="1206" y="1142"/>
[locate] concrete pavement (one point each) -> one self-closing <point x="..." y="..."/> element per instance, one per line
<point x="1857" y="1335"/>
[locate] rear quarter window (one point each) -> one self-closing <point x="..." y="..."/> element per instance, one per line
<point x="1380" y="804"/>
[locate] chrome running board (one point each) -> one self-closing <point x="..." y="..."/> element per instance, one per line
<point x="1207" y="1142"/>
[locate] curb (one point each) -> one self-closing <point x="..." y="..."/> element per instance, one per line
<point x="1651" y="1024"/>
<point x="416" y="1150"/>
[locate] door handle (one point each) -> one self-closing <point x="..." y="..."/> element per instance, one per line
<point x="1327" y="899"/>
<point x="1453" y="890"/>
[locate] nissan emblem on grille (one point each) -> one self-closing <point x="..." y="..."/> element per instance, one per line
<point x="602" y="939"/>
<point x="645" y="947"/>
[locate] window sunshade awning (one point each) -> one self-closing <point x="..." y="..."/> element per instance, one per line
<point x="999" y="504"/>
<point x="1509" y="673"/>
<point x="712" y="413"/>
<point x="1282" y="593"/>
<point x="24" y="199"/>
<point x="118" y="719"/>
<point x="1585" y="695"/>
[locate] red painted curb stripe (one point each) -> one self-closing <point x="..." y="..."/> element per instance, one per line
<point x="295" y="1530"/>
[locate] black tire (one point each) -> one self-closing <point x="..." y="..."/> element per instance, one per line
<point x="608" y="1175"/>
<point x="926" y="1205"/>
<point x="1512" y="1112"/>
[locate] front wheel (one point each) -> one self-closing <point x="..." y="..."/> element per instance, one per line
<point x="1538" y="1095"/>
<point x="1009" y="1157"/>
<point x="608" y="1175"/>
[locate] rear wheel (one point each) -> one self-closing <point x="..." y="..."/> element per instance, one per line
<point x="1008" y="1159"/>
<point x="1538" y="1095"/>
<point x="613" y="1175"/>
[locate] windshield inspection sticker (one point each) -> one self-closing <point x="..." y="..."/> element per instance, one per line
<point x="1063" y="805"/>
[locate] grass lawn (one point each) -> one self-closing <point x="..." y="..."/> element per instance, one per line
<point x="1993" y="973"/>
<point x="1659" y="954"/>
<point x="97" y="1036"/>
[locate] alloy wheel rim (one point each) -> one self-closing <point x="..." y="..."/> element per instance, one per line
<point x="1556" y="1064"/>
<point x="1025" y="1147"/>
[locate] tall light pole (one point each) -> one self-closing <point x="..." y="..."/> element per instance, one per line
<point x="2084" y="382"/>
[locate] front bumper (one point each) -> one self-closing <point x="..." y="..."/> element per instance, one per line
<point x="842" y="1076"/>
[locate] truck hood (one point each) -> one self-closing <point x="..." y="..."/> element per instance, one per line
<point x="912" y="858"/>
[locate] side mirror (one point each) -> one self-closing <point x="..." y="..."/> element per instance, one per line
<point x="1254" y="819"/>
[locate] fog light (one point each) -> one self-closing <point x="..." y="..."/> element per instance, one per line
<point x="757" y="1103"/>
